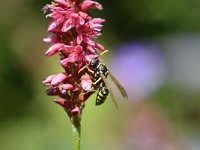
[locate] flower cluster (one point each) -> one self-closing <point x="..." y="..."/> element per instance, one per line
<point x="72" y="31"/>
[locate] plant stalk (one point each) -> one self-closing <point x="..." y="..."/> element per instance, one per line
<point x="76" y="131"/>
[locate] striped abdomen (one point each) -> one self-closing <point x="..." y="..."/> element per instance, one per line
<point x="101" y="95"/>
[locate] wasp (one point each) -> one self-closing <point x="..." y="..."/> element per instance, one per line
<point x="100" y="73"/>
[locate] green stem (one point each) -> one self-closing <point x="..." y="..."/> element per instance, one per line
<point x="76" y="130"/>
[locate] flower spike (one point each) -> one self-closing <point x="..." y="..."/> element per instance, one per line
<point x="73" y="31"/>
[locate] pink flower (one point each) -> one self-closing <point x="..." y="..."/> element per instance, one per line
<point x="72" y="34"/>
<point x="66" y="87"/>
<point x="58" y="79"/>
<point x="52" y="39"/>
<point x="54" y="49"/>
<point x="73" y="20"/>
<point x="63" y="3"/>
<point x="96" y="24"/>
<point x="74" y="55"/>
<point x="48" y="80"/>
<point x="90" y="4"/>
<point x="86" y="83"/>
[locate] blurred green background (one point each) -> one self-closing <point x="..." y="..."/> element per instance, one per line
<point x="154" y="51"/>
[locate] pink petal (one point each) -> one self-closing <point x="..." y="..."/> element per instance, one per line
<point x="85" y="77"/>
<point x="91" y="49"/>
<point x="99" y="46"/>
<point x="67" y="25"/>
<point x="83" y="15"/>
<point x="58" y="79"/>
<point x="90" y="4"/>
<point x="90" y="57"/>
<point x="52" y="91"/>
<point x="74" y="15"/>
<point x="64" y="103"/>
<point x="76" y="110"/>
<point x="71" y="58"/>
<point x="52" y="39"/>
<point x="52" y="25"/>
<point x="62" y="2"/>
<point x="81" y="21"/>
<point x="89" y="41"/>
<point x="56" y="9"/>
<point x="78" y="49"/>
<point x="79" y="38"/>
<point x="68" y="60"/>
<point x="86" y="83"/>
<point x="54" y="49"/>
<point x="98" y="20"/>
<point x="76" y="89"/>
<point x="67" y="86"/>
<point x="64" y="62"/>
<point x="57" y="21"/>
<point x="96" y="23"/>
<point x="78" y="19"/>
<point x="68" y="48"/>
<point x="60" y="101"/>
<point x="48" y="80"/>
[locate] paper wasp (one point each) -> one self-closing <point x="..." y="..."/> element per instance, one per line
<point x="100" y="73"/>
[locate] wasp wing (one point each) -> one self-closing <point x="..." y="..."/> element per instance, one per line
<point x="119" y="86"/>
<point x="109" y="88"/>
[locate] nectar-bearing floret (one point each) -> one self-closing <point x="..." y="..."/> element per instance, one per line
<point x="72" y="31"/>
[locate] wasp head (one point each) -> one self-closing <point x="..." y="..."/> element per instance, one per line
<point x="94" y="62"/>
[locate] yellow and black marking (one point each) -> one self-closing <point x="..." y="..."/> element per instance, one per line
<point x="101" y="95"/>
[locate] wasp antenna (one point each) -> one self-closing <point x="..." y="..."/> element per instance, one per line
<point x="82" y="69"/>
<point x="105" y="51"/>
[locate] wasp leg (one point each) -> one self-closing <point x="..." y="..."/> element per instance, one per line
<point x="91" y="71"/>
<point x="97" y="81"/>
<point x="82" y="69"/>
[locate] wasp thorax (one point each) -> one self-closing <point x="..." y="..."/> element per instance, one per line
<point x="94" y="62"/>
<point x="102" y="69"/>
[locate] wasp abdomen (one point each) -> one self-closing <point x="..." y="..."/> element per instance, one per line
<point x="101" y="95"/>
